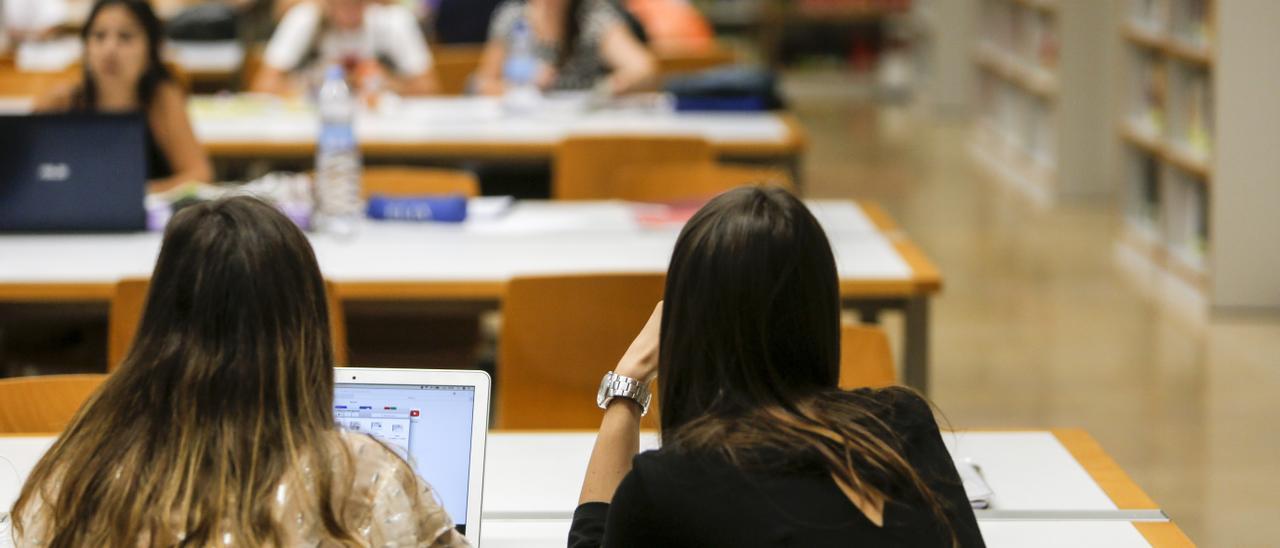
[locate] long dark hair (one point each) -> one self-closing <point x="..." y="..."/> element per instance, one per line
<point x="750" y="352"/>
<point x="86" y="95"/>
<point x="226" y="392"/>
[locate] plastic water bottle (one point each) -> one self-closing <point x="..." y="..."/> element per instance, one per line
<point x="339" y="208"/>
<point x="520" y="70"/>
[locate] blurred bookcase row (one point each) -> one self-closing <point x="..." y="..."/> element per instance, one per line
<point x="1039" y="88"/>
<point x="1169" y="104"/>
<point x="1167" y="132"/>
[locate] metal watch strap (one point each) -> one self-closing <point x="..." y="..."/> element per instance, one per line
<point x="614" y="385"/>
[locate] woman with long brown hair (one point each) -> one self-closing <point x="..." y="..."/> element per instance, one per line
<point x="759" y="446"/>
<point x="218" y="427"/>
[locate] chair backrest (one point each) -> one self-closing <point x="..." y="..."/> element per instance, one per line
<point x="17" y="83"/>
<point x="675" y="62"/>
<point x="180" y="76"/>
<point x="130" y="297"/>
<point x="409" y="181"/>
<point x="560" y="334"/>
<point x="43" y="405"/>
<point x="454" y="64"/>
<point x="585" y="167"/>
<point x="865" y="358"/>
<point x="251" y="65"/>
<point x="676" y="183"/>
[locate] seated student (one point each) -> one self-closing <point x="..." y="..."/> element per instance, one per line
<point x="759" y="446"/>
<point x="581" y="44"/>
<point x="218" y="427"/>
<point x="360" y="35"/>
<point x="123" y="73"/>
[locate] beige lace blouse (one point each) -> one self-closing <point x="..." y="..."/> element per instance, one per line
<point x="389" y="506"/>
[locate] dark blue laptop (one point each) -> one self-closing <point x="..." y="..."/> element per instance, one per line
<point x="72" y="173"/>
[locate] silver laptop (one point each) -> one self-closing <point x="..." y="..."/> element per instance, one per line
<point x="437" y="420"/>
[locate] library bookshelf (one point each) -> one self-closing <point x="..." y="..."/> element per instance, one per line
<point x="1039" y="88"/>
<point x="1166" y="132"/>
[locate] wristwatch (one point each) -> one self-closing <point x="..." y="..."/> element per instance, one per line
<point x="614" y="385"/>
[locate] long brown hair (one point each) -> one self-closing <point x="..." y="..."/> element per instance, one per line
<point x="750" y="351"/>
<point x="226" y="391"/>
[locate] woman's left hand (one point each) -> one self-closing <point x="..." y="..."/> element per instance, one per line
<point x="641" y="360"/>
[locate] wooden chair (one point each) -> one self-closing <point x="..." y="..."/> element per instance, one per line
<point x="129" y="300"/>
<point x="454" y="64"/>
<point x="560" y="334"/>
<point x="675" y="62"/>
<point x="585" y="167"/>
<point x="677" y="183"/>
<point x="252" y="64"/>
<point x="17" y="83"/>
<point x="865" y="358"/>
<point x="43" y="405"/>
<point x="409" y="181"/>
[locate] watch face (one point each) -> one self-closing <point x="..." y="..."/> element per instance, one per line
<point x="602" y="397"/>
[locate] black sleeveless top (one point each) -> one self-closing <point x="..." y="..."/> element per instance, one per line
<point x="158" y="166"/>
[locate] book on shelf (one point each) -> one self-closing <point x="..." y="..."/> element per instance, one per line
<point x="1151" y="16"/>
<point x="1155" y="86"/>
<point x="1194" y="22"/>
<point x="1149" y="187"/>
<point x="1198" y="107"/>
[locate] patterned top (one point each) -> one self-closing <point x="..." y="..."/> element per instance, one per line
<point x="584" y="65"/>
<point x="388" y="506"/>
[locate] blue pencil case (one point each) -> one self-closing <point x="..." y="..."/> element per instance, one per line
<point x="439" y="209"/>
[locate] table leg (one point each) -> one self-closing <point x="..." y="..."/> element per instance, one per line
<point x="916" y="352"/>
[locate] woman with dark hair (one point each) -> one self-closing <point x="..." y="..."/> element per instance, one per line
<point x="123" y="73"/>
<point x="580" y="45"/>
<point x="218" y="427"/>
<point x="759" y="446"/>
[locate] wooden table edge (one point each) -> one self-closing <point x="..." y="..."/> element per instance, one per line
<point x="1163" y="534"/>
<point x="924" y="274"/>
<point x="1104" y="470"/>
<point x="878" y="216"/>
<point x="793" y="143"/>
<point x="461" y="291"/>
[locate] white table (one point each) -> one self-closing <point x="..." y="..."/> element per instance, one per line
<point x="250" y="126"/>
<point x="1032" y="474"/>
<point x="532" y="238"/>
<point x="470" y="263"/>
<point x="532" y="480"/>
<point x="549" y="533"/>
<point x="216" y="60"/>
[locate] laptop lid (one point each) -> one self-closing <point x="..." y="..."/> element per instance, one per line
<point x="436" y="419"/>
<point x="73" y="173"/>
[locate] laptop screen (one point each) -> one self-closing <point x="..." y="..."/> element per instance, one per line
<point x="428" y="425"/>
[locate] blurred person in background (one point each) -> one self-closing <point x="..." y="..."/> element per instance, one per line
<point x="380" y="45"/>
<point x="672" y="25"/>
<point x="123" y="73"/>
<point x="580" y="45"/>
